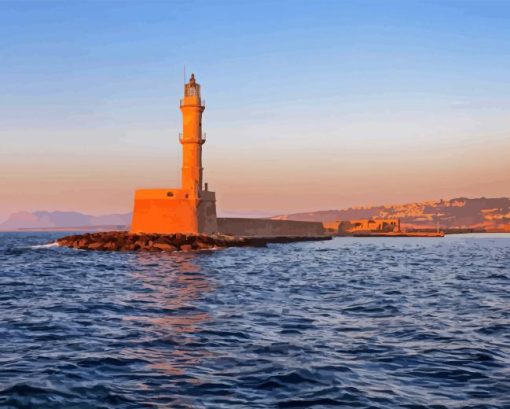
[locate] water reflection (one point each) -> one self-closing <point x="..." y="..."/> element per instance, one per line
<point x="170" y="288"/>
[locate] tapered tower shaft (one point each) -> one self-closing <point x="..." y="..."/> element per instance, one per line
<point x="192" y="138"/>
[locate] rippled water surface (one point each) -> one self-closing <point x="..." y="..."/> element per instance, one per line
<point x="380" y="323"/>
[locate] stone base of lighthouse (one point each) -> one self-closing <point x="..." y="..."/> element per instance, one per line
<point x="174" y="211"/>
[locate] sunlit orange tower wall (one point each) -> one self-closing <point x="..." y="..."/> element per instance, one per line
<point x="190" y="209"/>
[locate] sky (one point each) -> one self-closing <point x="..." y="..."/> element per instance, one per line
<point x="310" y="105"/>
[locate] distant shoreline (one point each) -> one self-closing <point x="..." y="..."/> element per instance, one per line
<point x="64" y="229"/>
<point x="452" y="232"/>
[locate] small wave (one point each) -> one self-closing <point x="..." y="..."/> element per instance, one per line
<point x="45" y="246"/>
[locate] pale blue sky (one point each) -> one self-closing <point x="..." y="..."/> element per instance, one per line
<point x="310" y="104"/>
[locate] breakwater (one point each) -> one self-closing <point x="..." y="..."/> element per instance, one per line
<point x="124" y="241"/>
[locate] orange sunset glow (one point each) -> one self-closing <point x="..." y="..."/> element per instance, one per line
<point x="346" y="116"/>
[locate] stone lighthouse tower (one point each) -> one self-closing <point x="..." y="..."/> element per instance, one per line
<point x="191" y="137"/>
<point x="190" y="209"/>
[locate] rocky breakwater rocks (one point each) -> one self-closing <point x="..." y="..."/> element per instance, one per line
<point x="124" y="241"/>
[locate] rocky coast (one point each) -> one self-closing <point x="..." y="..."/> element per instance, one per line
<point x="124" y="241"/>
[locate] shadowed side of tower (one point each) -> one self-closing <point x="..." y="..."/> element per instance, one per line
<point x="190" y="209"/>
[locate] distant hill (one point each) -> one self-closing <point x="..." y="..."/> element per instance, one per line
<point x="59" y="220"/>
<point x="491" y="214"/>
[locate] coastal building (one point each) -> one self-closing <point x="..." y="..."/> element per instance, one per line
<point x="191" y="208"/>
<point x="363" y="226"/>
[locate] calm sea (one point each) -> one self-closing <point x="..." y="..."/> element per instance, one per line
<point x="379" y="323"/>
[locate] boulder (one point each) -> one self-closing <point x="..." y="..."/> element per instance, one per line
<point x="164" y="246"/>
<point x="201" y="245"/>
<point x="95" y="245"/>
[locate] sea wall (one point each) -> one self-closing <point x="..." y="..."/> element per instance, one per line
<point x="267" y="227"/>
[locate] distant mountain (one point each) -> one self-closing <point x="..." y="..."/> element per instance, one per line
<point x="58" y="220"/>
<point x="491" y="214"/>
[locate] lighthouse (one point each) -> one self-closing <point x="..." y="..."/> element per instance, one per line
<point x="190" y="209"/>
<point x="191" y="138"/>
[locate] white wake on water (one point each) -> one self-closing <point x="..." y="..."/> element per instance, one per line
<point x="44" y="246"/>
